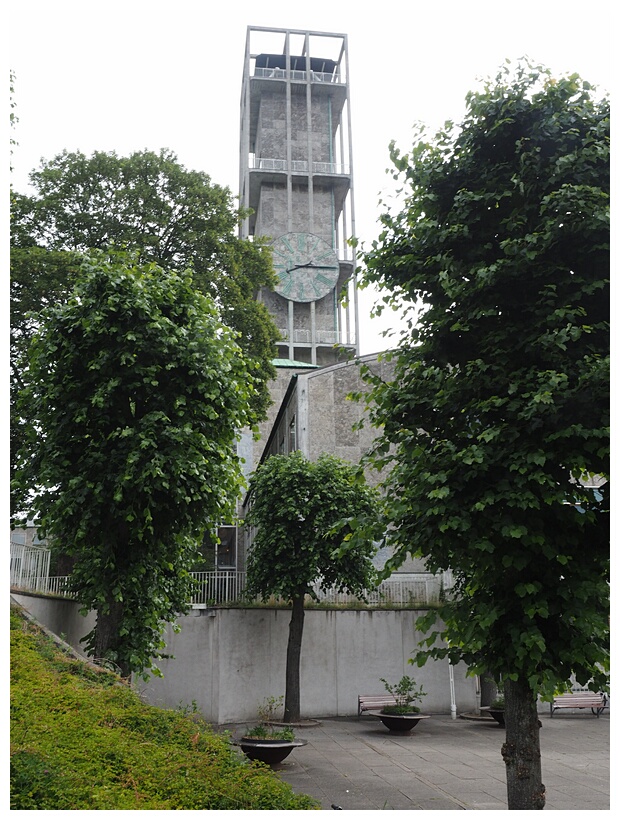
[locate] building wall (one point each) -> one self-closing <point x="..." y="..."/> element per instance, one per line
<point x="27" y="536"/>
<point x="61" y="616"/>
<point x="324" y="416"/>
<point x="272" y="117"/>
<point x="272" y="216"/>
<point x="324" y="420"/>
<point x="230" y="662"/>
<point x="331" y="416"/>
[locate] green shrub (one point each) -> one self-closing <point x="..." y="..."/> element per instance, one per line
<point x="34" y="782"/>
<point x="82" y="739"/>
<point x="405" y="693"/>
<point x="400" y="710"/>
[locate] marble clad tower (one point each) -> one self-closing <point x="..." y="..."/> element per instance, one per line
<point x="295" y="175"/>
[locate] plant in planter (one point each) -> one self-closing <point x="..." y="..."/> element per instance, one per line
<point x="268" y="715"/>
<point x="498" y="702"/>
<point x="264" y="741"/>
<point x="496" y="708"/>
<point x="405" y="694"/>
<point x="261" y="732"/>
<point x="404" y="714"/>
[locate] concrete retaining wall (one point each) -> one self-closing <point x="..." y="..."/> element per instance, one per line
<point x="62" y="617"/>
<point x="230" y="661"/>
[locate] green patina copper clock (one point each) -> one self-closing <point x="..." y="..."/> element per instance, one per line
<point x="306" y="266"/>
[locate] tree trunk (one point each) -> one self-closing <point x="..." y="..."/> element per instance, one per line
<point x="107" y="633"/>
<point x="521" y="751"/>
<point x="292" y="710"/>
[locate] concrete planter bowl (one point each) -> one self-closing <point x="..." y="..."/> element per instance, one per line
<point x="496" y="713"/>
<point x="399" y="724"/>
<point x="268" y="750"/>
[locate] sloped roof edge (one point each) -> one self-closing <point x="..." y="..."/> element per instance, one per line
<point x="293" y="363"/>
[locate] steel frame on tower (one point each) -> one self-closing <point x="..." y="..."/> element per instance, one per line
<point x="296" y="172"/>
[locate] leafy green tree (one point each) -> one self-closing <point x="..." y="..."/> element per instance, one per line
<point x="150" y="204"/>
<point x="136" y="390"/>
<point x="305" y="513"/>
<point x="496" y="420"/>
<point x="39" y="279"/>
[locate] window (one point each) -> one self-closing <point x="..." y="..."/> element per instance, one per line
<point x="227" y="548"/>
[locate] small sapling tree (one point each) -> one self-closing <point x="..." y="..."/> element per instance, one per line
<point x="304" y="513"/>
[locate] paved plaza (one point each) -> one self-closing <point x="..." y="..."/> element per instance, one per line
<point x="445" y="764"/>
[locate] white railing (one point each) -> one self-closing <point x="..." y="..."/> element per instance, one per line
<point x="57" y="585"/>
<point x="402" y="589"/>
<point x="30" y="568"/>
<point x="29" y="565"/>
<point x="268" y="164"/>
<point x="296" y="74"/>
<point x="327" y="337"/>
<point x="227" y="587"/>
<point x="323" y="337"/>
<point x="223" y="586"/>
<point x="329" y="168"/>
<point x="298" y="166"/>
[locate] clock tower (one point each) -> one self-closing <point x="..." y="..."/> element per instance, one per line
<point x="296" y="177"/>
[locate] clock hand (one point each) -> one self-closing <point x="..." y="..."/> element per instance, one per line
<point x="312" y="265"/>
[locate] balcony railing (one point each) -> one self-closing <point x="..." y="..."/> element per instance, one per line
<point x="296" y="74"/>
<point x="323" y="337"/>
<point x="221" y="587"/>
<point x="297" y="166"/>
<point x="228" y="587"/>
<point x="29" y="565"/>
<point x="56" y="585"/>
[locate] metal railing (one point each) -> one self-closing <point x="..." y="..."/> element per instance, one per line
<point x="220" y="587"/>
<point x="29" y="565"/>
<point x="298" y="166"/>
<point x="402" y="589"/>
<point x="227" y="587"/>
<point x="56" y="585"/>
<point x="296" y="74"/>
<point x="323" y="337"/>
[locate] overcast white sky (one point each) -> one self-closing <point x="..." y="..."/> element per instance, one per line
<point x="138" y="74"/>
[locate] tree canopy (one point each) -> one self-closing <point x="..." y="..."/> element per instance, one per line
<point x="136" y="391"/>
<point x="304" y="513"/>
<point x="152" y="205"/>
<point x="39" y="279"/>
<point x="497" y="420"/>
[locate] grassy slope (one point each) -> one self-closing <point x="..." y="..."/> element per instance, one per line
<point x="80" y="739"/>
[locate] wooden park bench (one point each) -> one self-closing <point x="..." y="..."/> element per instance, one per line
<point x="596" y="701"/>
<point x="367" y="703"/>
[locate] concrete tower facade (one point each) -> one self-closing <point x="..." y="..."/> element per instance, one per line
<point x="296" y="177"/>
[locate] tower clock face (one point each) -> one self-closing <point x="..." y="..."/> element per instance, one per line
<point x="306" y="266"/>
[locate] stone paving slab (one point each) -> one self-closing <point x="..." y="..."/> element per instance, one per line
<point x="449" y="765"/>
